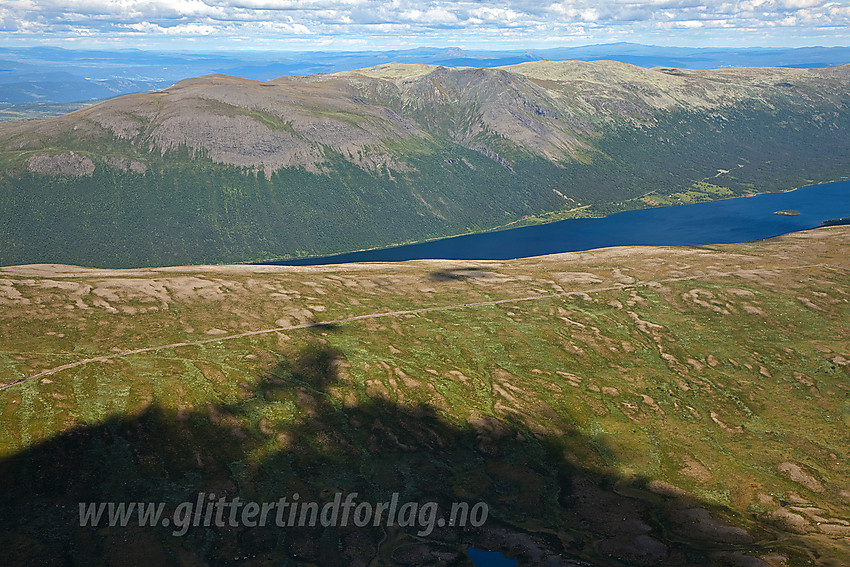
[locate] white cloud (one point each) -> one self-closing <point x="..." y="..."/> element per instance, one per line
<point x="292" y="5"/>
<point x="178" y="30"/>
<point x="412" y="22"/>
<point x="797" y="4"/>
<point x="429" y="16"/>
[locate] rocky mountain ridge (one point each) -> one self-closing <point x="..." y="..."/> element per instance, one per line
<point x="550" y="109"/>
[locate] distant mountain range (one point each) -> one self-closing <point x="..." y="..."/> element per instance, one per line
<point x="47" y="74"/>
<point x="224" y="169"/>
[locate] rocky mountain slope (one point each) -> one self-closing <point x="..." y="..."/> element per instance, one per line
<point x="439" y="150"/>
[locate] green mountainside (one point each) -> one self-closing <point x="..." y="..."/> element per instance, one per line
<point x="220" y="169"/>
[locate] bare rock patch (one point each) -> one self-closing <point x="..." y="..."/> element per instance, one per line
<point x="68" y="163"/>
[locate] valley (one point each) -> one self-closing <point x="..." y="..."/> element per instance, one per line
<point x="219" y="169"/>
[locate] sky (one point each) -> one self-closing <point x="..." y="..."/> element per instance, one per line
<point x="204" y="25"/>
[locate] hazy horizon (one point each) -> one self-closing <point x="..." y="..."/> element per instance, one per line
<point x="238" y="49"/>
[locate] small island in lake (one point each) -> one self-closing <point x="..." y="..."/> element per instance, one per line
<point x="787" y="213"/>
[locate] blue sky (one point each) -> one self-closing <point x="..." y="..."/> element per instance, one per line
<point x="371" y="24"/>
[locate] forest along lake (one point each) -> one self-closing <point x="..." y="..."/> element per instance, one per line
<point x="717" y="222"/>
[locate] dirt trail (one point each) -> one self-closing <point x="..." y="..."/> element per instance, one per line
<point x="537" y="297"/>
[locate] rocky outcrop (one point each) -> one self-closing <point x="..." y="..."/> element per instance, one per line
<point x="68" y="163"/>
<point x="126" y="164"/>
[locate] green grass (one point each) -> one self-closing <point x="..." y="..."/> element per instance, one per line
<point x="545" y="409"/>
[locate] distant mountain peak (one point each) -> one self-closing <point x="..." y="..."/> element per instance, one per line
<point x="455" y="52"/>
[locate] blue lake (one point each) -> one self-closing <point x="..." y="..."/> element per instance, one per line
<point x="716" y="222"/>
<point x="489" y="558"/>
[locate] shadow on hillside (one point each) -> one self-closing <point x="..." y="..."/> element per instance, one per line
<point x="459" y="274"/>
<point x="542" y="509"/>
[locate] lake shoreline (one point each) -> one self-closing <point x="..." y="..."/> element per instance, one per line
<point x="517" y="224"/>
<point x="736" y="219"/>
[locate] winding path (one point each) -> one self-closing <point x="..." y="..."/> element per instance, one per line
<point x="420" y="310"/>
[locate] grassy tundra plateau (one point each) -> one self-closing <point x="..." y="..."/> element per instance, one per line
<point x="626" y="406"/>
<point x="220" y="169"/>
